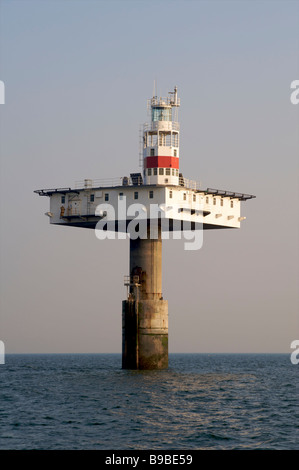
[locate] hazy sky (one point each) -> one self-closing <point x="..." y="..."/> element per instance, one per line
<point x="77" y="77"/>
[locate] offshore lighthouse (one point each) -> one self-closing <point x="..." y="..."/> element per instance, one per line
<point x="165" y="202"/>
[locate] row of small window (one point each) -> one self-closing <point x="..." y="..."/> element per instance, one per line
<point x="160" y="171"/>
<point x="106" y="196"/>
<point x="151" y="195"/>
<point x="184" y="196"/>
<point x="221" y="201"/>
<point x="207" y="199"/>
<point x="136" y="195"/>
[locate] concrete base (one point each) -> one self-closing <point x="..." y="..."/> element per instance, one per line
<point x="145" y="334"/>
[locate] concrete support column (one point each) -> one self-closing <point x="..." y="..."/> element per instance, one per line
<point x="146" y="262"/>
<point x="145" y="313"/>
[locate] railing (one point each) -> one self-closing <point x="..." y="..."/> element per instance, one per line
<point x="153" y="125"/>
<point x="103" y="183"/>
<point x="131" y="280"/>
<point x="128" y="181"/>
<point x="175" y="126"/>
<point x="168" y="101"/>
<point x="189" y="184"/>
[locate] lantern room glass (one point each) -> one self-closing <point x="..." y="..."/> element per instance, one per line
<point x="161" y="114"/>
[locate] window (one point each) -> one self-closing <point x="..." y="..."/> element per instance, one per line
<point x="194" y="197"/>
<point x="175" y="152"/>
<point x="214" y="201"/>
<point x="161" y="114"/>
<point x="184" y="196"/>
<point x="221" y="202"/>
<point x="175" y="139"/>
<point x="176" y="172"/>
<point x="164" y="139"/>
<point x="152" y="152"/>
<point x="170" y="194"/>
<point x="161" y="171"/>
<point x="231" y="203"/>
<point x="106" y="197"/>
<point x="173" y="172"/>
<point x="136" y="195"/>
<point x="151" y="194"/>
<point x="207" y="200"/>
<point x="91" y="198"/>
<point x="155" y="171"/>
<point x="121" y="196"/>
<point x="167" y="172"/>
<point x="149" y="171"/>
<point x="62" y="199"/>
<point x="150" y="140"/>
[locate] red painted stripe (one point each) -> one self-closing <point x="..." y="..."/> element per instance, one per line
<point x="162" y="162"/>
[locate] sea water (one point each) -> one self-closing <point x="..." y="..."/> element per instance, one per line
<point x="202" y="401"/>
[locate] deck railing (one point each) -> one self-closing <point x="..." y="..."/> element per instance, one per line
<point x="127" y="181"/>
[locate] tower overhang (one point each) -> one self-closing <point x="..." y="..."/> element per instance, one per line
<point x="172" y="205"/>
